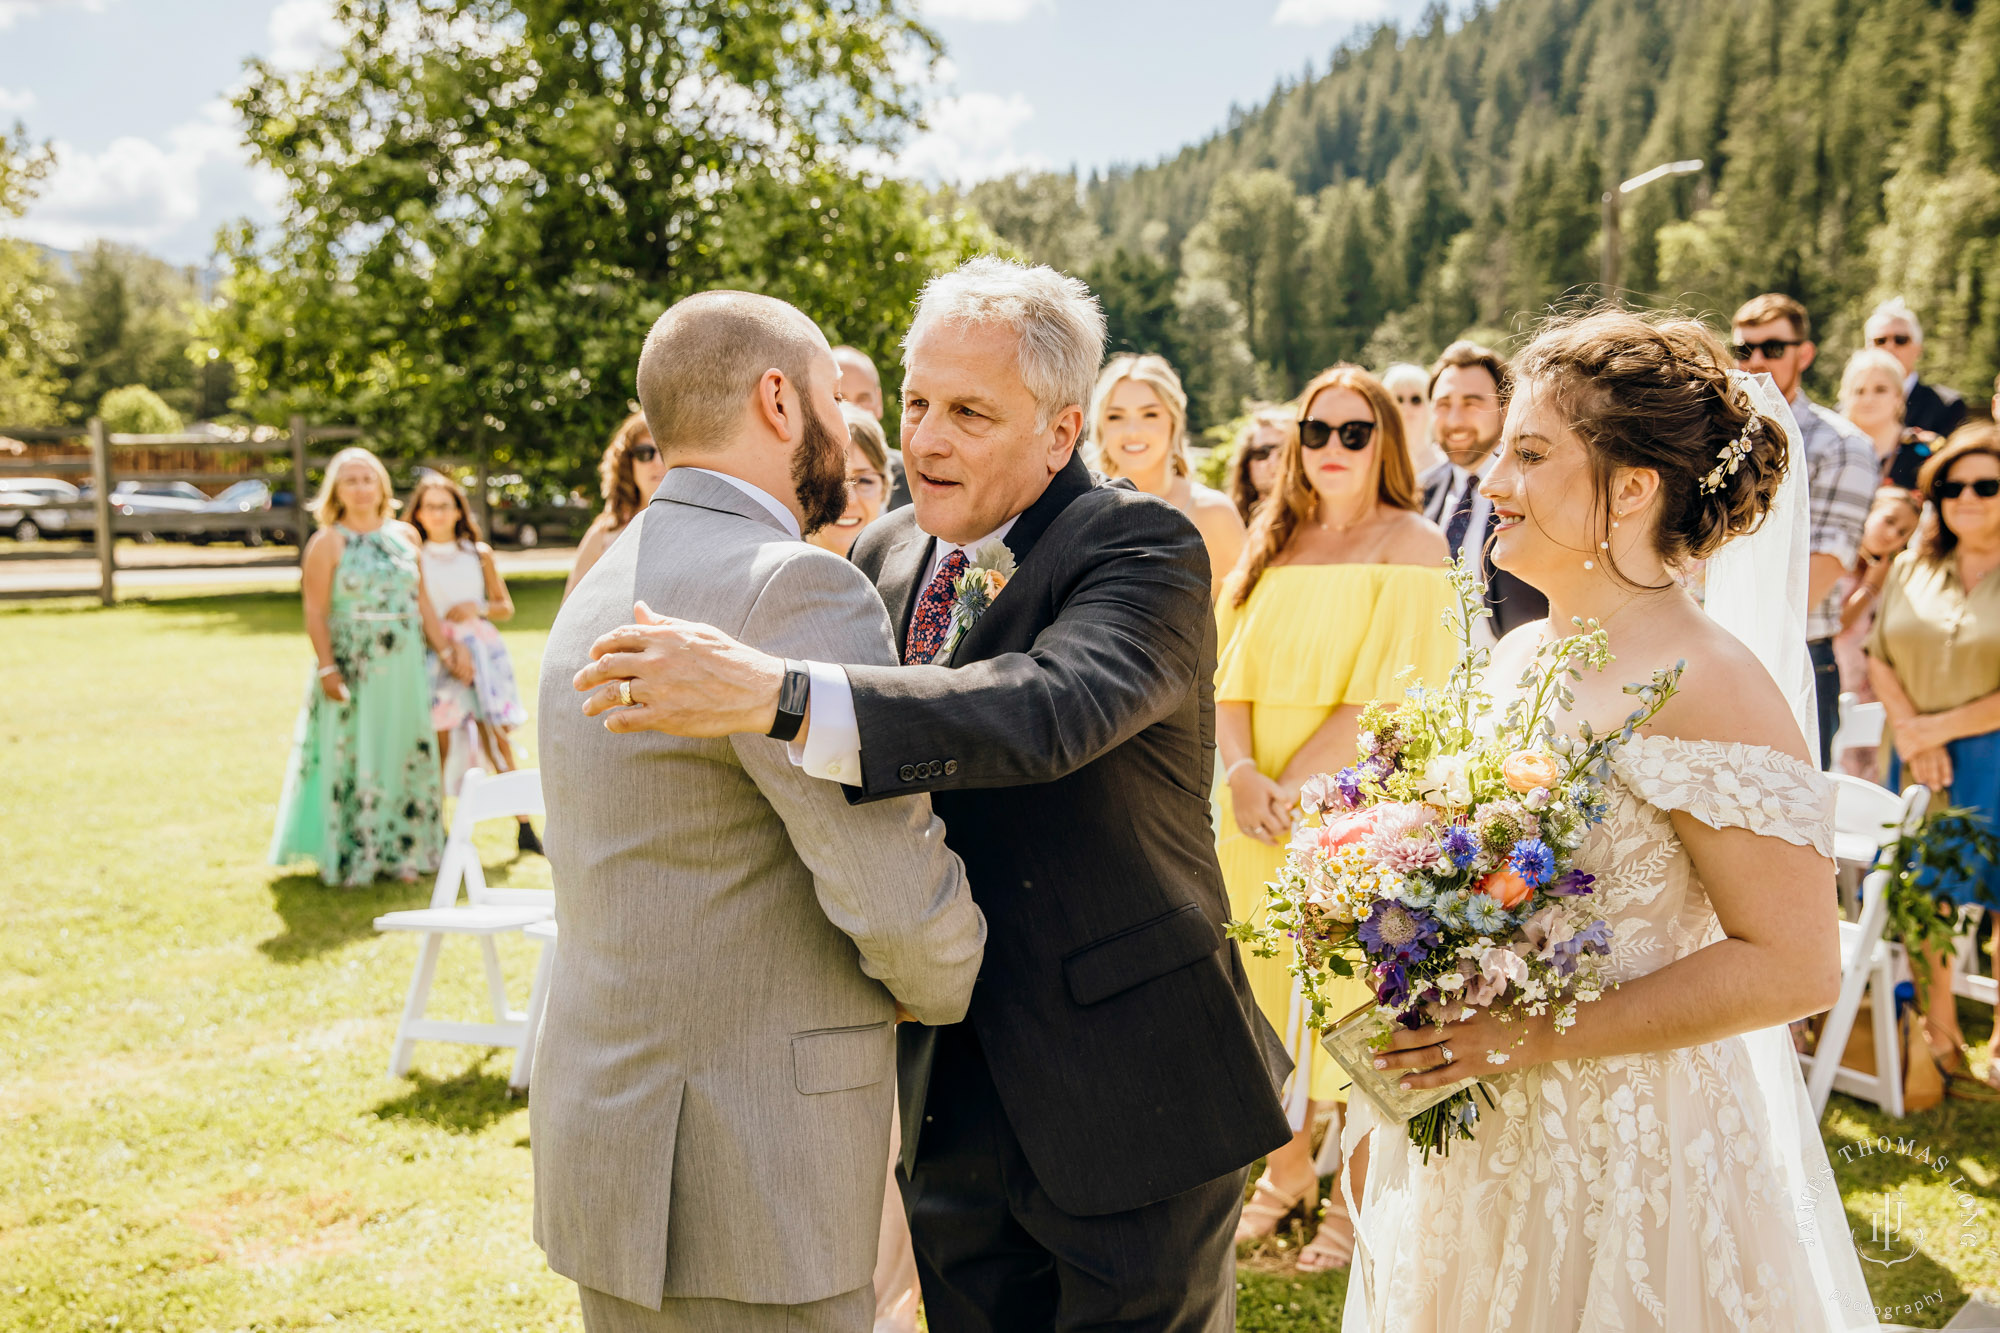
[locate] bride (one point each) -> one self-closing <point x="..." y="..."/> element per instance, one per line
<point x="1656" y="1166"/>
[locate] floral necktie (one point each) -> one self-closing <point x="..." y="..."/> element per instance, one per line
<point x="930" y="626"/>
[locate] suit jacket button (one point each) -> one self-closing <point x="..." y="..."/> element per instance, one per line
<point x="908" y="772"/>
<point x="931" y="769"/>
<point x="950" y="767"/>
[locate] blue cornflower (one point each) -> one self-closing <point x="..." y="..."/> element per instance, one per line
<point x="1533" y="861"/>
<point x="1395" y="931"/>
<point x="1461" y="844"/>
<point x="1486" y="916"/>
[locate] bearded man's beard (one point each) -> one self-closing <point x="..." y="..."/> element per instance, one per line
<point x="819" y="473"/>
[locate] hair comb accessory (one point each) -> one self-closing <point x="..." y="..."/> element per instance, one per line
<point x="1733" y="453"/>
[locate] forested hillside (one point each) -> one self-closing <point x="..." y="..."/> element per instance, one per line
<point x="1447" y="178"/>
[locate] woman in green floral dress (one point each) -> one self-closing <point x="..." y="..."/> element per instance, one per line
<point x="361" y="792"/>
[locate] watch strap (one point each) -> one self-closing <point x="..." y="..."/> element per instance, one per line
<point x="792" y="697"/>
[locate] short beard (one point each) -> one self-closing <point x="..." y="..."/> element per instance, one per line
<point x="1460" y="459"/>
<point x="819" y="472"/>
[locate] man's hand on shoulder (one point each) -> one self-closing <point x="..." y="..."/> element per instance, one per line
<point x="685" y="679"/>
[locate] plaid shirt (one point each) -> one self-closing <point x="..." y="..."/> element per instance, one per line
<point x="1841" y="475"/>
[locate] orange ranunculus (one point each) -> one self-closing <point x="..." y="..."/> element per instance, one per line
<point x="1526" y="770"/>
<point x="995" y="581"/>
<point x="1505" y="887"/>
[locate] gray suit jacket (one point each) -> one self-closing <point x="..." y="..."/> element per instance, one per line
<point x="713" y="1085"/>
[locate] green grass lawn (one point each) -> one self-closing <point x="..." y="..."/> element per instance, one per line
<point x="196" y="1127"/>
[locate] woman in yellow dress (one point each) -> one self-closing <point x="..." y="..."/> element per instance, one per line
<point x="1341" y="588"/>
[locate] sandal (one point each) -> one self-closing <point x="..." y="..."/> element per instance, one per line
<point x="1969" y="1089"/>
<point x="1269" y="1207"/>
<point x="1324" y="1253"/>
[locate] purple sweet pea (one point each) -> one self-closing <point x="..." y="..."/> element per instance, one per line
<point x="1572" y="884"/>
<point x="1348" y="781"/>
<point x="1392" y="985"/>
<point x="1593" y="938"/>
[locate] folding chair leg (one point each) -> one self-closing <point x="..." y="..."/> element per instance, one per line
<point x="538" y="1003"/>
<point x="496" y="982"/>
<point x="1888" y="1047"/>
<point x="413" y="1008"/>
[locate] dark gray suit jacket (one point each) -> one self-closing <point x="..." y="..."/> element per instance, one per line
<point x="1070" y="745"/>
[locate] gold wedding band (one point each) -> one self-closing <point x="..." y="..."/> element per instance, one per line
<point x="625" y="693"/>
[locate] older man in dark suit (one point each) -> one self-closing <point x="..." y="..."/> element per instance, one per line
<point x="1468" y="389"/>
<point x="1075" y="1152"/>
<point x="1894" y="328"/>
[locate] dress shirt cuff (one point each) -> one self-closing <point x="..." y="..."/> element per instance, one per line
<point x="832" y="747"/>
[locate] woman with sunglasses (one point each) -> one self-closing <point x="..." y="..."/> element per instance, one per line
<point x="1341" y="587"/>
<point x="867" y="481"/>
<point x="630" y="472"/>
<point x="1934" y="660"/>
<point x="1138" y="430"/>
<point x="1253" y="464"/>
<point x="1410" y="386"/>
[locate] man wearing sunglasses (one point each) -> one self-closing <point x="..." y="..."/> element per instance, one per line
<point x="1893" y="327"/>
<point x="1468" y="393"/>
<point x="1772" y="335"/>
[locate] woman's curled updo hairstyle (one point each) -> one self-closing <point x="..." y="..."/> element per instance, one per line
<point x="1654" y="391"/>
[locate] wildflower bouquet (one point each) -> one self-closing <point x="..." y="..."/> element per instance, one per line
<point x="1441" y="865"/>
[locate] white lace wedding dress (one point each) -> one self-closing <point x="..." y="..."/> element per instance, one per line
<point x="1684" y="1191"/>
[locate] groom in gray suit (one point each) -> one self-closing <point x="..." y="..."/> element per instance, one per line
<point x="714" y="1085"/>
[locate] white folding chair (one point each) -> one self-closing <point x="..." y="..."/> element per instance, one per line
<point x="1867" y="819"/>
<point x="1860" y="726"/>
<point x="489" y="913"/>
<point x="538" y="1002"/>
<point x="1965" y="980"/>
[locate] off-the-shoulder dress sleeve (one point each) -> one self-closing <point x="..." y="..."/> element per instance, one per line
<point x="1732" y="785"/>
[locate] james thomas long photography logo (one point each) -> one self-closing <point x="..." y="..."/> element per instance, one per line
<point x="1887" y="1224"/>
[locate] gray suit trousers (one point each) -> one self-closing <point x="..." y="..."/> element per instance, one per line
<point x="849" y="1312"/>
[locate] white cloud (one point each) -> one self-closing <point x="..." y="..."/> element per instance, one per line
<point x="137" y="190"/>
<point x="11" y="101"/>
<point x="300" y="32"/>
<point x="1311" y="13"/>
<point x="983" y="11"/>
<point x="13" y="11"/>
<point x="971" y="138"/>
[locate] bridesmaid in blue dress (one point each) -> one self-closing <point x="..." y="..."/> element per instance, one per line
<point x="361" y="797"/>
<point x="1934" y="661"/>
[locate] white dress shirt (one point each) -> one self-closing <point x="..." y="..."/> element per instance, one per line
<point x="760" y="495"/>
<point x="1475" y="530"/>
<point x="832" y="748"/>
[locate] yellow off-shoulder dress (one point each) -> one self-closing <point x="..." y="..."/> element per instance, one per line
<point x="1310" y="639"/>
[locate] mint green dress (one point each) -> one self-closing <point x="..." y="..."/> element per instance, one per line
<point x="361" y="795"/>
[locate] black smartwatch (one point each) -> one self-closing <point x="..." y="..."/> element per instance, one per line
<point x="792" y="696"/>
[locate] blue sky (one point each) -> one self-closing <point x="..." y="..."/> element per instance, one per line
<point x="133" y="93"/>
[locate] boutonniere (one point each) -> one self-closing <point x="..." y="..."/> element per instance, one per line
<point x="974" y="590"/>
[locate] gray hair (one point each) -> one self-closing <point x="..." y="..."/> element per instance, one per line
<point x="1897" y="308"/>
<point x="1059" y="322"/>
<point x="1405" y="373"/>
<point x="704" y="357"/>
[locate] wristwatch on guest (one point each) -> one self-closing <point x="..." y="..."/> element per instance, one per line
<point x="792" y="697"/>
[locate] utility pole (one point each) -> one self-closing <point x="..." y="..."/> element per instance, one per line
<point x="1608" y="269"/>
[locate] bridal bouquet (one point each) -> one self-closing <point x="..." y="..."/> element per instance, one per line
<point x="1441" y="865"/>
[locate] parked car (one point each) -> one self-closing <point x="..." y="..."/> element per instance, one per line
<point x="130" y="499"/>
<point x="27" y="507"/>
<point x="250" y="496"/>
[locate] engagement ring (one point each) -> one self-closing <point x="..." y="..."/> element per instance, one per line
<point x="1445" y="1051"/>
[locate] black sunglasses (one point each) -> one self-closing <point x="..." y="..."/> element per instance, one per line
<point x="644" y="453"/>
<point x="1257" y="453"/>
<point x="1985" y="488"/>
<point x="1900" y="339"/>
<point x="1354" y="435"/>
<point x="1770" y="348"/>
